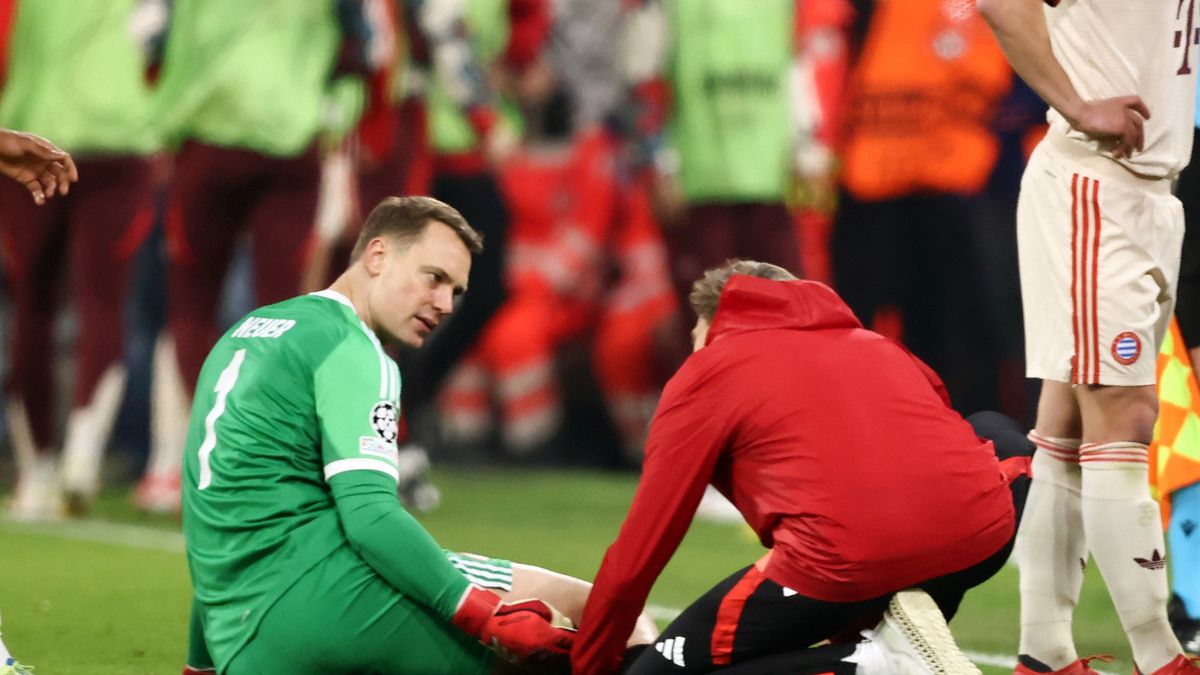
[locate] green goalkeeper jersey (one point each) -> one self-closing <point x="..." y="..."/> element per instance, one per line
<point x="295" y="409"/>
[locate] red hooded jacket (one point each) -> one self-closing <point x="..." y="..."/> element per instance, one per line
<point x="837" y="445"/>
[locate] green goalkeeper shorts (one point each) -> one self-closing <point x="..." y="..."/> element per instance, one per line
<point x="342" y="617"/>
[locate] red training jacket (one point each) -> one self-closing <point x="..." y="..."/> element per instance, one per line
<point x="837" y="445"/>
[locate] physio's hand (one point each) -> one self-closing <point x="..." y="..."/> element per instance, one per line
<point x="519" y="631"/>
<point x="1116" y="122"/>
<point x="36" y="163"/>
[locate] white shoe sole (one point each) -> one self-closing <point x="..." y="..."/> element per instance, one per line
<point x="915" y="615"/>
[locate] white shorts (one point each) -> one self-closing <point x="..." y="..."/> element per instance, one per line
<point x="1099" y="257"/>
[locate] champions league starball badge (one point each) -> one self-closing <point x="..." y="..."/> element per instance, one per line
<point x="384" y="418"/>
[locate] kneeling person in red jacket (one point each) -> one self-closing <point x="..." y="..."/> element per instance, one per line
<point x="841" y="450"/>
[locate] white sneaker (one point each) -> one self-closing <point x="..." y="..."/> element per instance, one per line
<point x="37" y="495"/>
<point x="918" y="641"/>
<point x="870" y="657"/>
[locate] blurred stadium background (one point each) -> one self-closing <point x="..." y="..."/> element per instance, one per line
<point x="609" y="150"/>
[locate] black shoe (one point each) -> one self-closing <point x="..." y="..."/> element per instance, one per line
<point x="1187" y="629"/>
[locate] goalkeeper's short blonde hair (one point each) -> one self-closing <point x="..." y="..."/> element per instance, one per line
<point x="405" y="219"/>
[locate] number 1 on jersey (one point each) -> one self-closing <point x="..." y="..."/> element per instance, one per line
<point x="225" y="384"/>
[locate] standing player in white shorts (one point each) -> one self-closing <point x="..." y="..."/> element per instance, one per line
<point x="1099" y="237"/>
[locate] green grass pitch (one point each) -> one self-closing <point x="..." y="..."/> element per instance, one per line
<point x="110" y="595"/>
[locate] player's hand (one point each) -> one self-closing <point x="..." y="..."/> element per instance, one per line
<point x="36" y="163"/>
<point x="1116" y="122"/>
<point x="519" y="631"/>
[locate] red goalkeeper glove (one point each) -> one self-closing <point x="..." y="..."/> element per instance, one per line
<point x="519" y="631"/>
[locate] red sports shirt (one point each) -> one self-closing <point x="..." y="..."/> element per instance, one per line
<point x="837" y="445"/>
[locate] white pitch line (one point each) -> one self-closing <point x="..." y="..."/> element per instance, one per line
<point x="103" y="532"/>
<point x="155" y="539"/>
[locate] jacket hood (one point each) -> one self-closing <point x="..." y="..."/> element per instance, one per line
<point x="752" y="303"/>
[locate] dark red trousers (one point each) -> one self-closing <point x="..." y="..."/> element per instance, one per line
<point x="714" y="233"/>
<point x="404" y="166"/>
<point x="711" y="234"/>
<point x="77" y="247"/>
<point x="217" y="195"/>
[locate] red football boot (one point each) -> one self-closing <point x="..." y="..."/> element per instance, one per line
<point x="1079" y="667"/>
<point x="1180" y="665"/>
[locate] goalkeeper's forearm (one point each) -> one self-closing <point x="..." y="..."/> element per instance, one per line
<point x="395" y="544"/>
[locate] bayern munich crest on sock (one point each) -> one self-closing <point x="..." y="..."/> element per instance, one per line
<point x="1126" y="348"/>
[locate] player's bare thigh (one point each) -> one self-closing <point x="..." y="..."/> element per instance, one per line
<point x="1112" y="413"/>
<point x="1097" y="413"/>
<point x="1058" y="411"/>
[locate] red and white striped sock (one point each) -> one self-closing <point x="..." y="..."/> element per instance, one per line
<point x="1124" y="528"/>
<point x="1051" y="551"/>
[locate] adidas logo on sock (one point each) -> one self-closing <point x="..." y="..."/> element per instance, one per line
<point x="1188" y="527"/>
<point x="671" y="649"/>
<point x="1156" y="561"/>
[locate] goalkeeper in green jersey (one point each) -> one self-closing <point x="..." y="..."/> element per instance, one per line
<point x="301" y="556"/>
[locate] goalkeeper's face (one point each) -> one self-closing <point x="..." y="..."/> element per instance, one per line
<point x="414" y="285"/>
